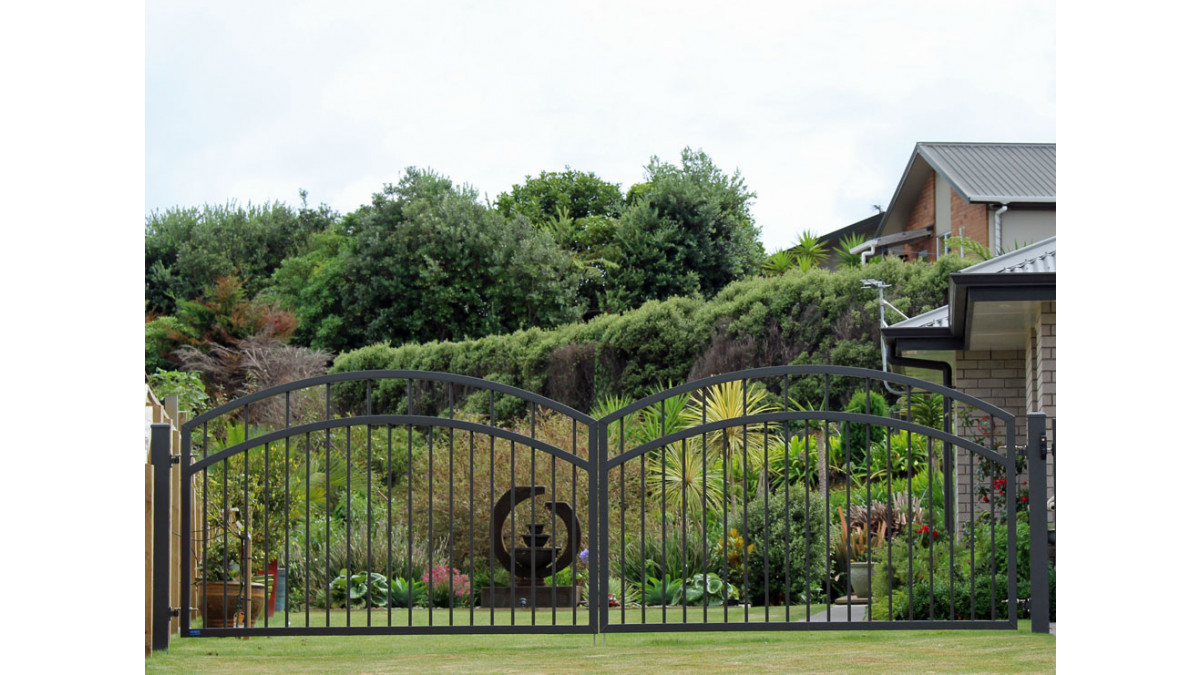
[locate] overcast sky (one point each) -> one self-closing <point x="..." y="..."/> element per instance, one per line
<point x="817" y="104"/>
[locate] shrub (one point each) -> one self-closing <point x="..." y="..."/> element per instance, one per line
<point x="921" y="595"/>
<point x="775" y="525"/>
<point x="854" y="438"/>
<point x="359" y="590"/>
<point x="446" y="584"/>
<point x="408" y="593"/>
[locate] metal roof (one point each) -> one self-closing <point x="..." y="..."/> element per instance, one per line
<point x="996" y="172"/>
<point x="1035" y="258"/>
<point x="1039" y="257"/>
<point x="938" y="318"/>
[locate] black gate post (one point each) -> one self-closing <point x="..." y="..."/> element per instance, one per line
<point x="160" y="607"/>
<point x="598" y="531"/>
<point x="1039" y="558"/>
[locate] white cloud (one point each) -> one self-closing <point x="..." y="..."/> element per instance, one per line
<point x="818" y="104"/>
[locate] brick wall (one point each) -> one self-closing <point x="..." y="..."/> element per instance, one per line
<point x="1042" y="395"/>
<point x="998" y="377"/>
<point x="969" y="220"/>
<point x="923" y="214"/>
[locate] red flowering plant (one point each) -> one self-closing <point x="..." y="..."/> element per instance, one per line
<point x="992" y="486"/>
<point x="927" y="536"/>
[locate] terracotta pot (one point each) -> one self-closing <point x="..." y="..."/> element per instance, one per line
<point x="223" y="599"/>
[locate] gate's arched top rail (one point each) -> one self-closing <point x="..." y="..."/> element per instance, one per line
<point x="386" y="420"/>
<point x="370" y="375"/>
<point x="803" y="415"/>
<point x="834" y="371"/>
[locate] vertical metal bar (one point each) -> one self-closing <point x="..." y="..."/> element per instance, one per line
<point x="247" y="573"/>
<point x="370" y="518"/>
<point x="725" y="519"/>
<point x="429" y="540"/>
<point x="746" y="512"/>
<point x="807" y="521"/>
<point x="532" y="512"/>
<point x="662" y="465"/>
<point x="787" y="506"/>
<point x="410" y="525"/>
<point x="574" y="532"/>
<point x="328" y="497"/>
<point x="827" y="490"/>
<point x="766" y="530"/>
<point x="287" y="500"/>
<point x="971" y="522"/>
<point x="621" y="453"/>
<point x="890" y="505"/>
<point x="597" y="534"/>
<point x="185" y="538"/>
<point x="391" y="572"/>
<point x="932" y="463"/>
<point x="307" y="527"/>
<point x="949" y="502"/>
<point x="704" y="510"/>
<point x="492" y="500"/>
<point x="867" y="460"/>
<point x="160" y="458"/>
<point x="266" y="530"/>
<point x="683" y="529"/>
<point x="910" y="517"/>
<point x="471" y="526"/>
<point x="450" y="507"/>
<point x="204" y="526"/>
<point x="643" y="539"/>
<point x="554" y="538"/>
<point x="225" y="542"/>
<point x="1011" y="494"/>
<point x="512" y="531"/>
<point x="349" y="571"/>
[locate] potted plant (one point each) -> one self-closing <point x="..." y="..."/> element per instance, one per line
<point x="858" y="546"/>
<point x="221" y="590"/>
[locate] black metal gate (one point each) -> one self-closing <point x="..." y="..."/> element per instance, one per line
<point x="395" y="502"/>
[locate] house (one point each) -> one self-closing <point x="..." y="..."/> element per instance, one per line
<point x="997" y="337"/>
<point x="1001" y="195"/>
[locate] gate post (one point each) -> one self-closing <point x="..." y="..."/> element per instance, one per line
<point x="598" y="530"/>
<point x="160" y="457"/>
<point x="1039" y="558"/>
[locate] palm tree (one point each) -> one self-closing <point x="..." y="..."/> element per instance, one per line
<point x="810" y="251"/>
<point x="843" y="251"/>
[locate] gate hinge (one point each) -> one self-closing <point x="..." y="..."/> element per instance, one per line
<point x="1042" y="445"/>
<point x="174" y="612"/>
<point x="175" y="458"/>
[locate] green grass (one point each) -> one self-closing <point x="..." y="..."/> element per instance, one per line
<point x="856" y="651"/>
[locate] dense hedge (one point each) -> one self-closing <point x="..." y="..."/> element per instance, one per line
<point x="810" y="317"/>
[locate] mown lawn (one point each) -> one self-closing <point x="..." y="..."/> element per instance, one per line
<point x="858" y="651"/>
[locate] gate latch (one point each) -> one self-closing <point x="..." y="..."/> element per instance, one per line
<point x="1042" y="445"/>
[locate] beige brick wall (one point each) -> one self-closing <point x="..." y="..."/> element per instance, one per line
<point x="999" y="378"/>
<point x="1042" y="362"/>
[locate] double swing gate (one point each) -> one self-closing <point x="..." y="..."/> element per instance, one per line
<point x="410" y="502"/>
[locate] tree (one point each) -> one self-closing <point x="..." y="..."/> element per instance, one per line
<point x="544" y="199"/>
<point x="686" y="230"/>
<point x="188" y="249"/>
<point x="426" y="261"/>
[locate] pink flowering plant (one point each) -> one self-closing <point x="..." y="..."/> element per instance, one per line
<point x="446" y="583"/>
